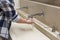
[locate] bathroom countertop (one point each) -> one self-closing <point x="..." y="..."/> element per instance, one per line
<point x="26" y="32"/>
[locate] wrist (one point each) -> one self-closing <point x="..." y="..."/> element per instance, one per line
<point x="25" y="20"/>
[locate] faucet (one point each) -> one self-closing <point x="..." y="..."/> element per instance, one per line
<point x="58" y="36"/>
<point x="53" y="29"/>
<point x="37" y="14"/>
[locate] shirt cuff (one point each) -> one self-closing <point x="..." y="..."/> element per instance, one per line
<point x="16" y="19"/>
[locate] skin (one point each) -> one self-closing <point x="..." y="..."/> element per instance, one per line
<point x="28" y="21"/>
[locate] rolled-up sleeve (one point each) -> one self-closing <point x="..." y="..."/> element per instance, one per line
<point x="16" y="18"/>
<point x="8" y="9"/>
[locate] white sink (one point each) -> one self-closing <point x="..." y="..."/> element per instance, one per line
<point x="26" y="32"/>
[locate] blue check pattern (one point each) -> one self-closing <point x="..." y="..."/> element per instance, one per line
<point x="7" y="14"/>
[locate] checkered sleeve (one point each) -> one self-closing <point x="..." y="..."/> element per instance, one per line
<point x="8" y="9"/>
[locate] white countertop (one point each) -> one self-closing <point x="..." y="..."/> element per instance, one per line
<point x="26" y="32"/>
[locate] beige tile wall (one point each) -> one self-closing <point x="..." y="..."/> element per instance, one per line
<point x="37" y="8"/>
<point x="46" y="1"/>
<point x="17" y="4"/>
<point x="52" y="14"/>
<point x="57" y="2"/>
<point x="52" y="2"/>
<point x="23" y="3"/>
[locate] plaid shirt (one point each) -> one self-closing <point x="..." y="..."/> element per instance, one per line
<point x="7" y="14"/>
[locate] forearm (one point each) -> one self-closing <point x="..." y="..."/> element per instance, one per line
<point x="22" y="20"/>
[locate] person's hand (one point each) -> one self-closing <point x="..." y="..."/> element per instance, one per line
<point x="29" y="21"/>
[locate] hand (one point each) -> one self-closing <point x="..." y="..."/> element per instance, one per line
<point x="22" y="20"/>
<point x="29" y="21"/>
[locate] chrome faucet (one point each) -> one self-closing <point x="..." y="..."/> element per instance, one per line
<point x="37" y="14"/>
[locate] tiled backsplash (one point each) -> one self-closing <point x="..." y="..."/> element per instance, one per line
<point x="52" y="2"/>
<point x="52" y="13"/>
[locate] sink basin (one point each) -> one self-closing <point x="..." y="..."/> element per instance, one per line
<point x="26" y="32"/>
